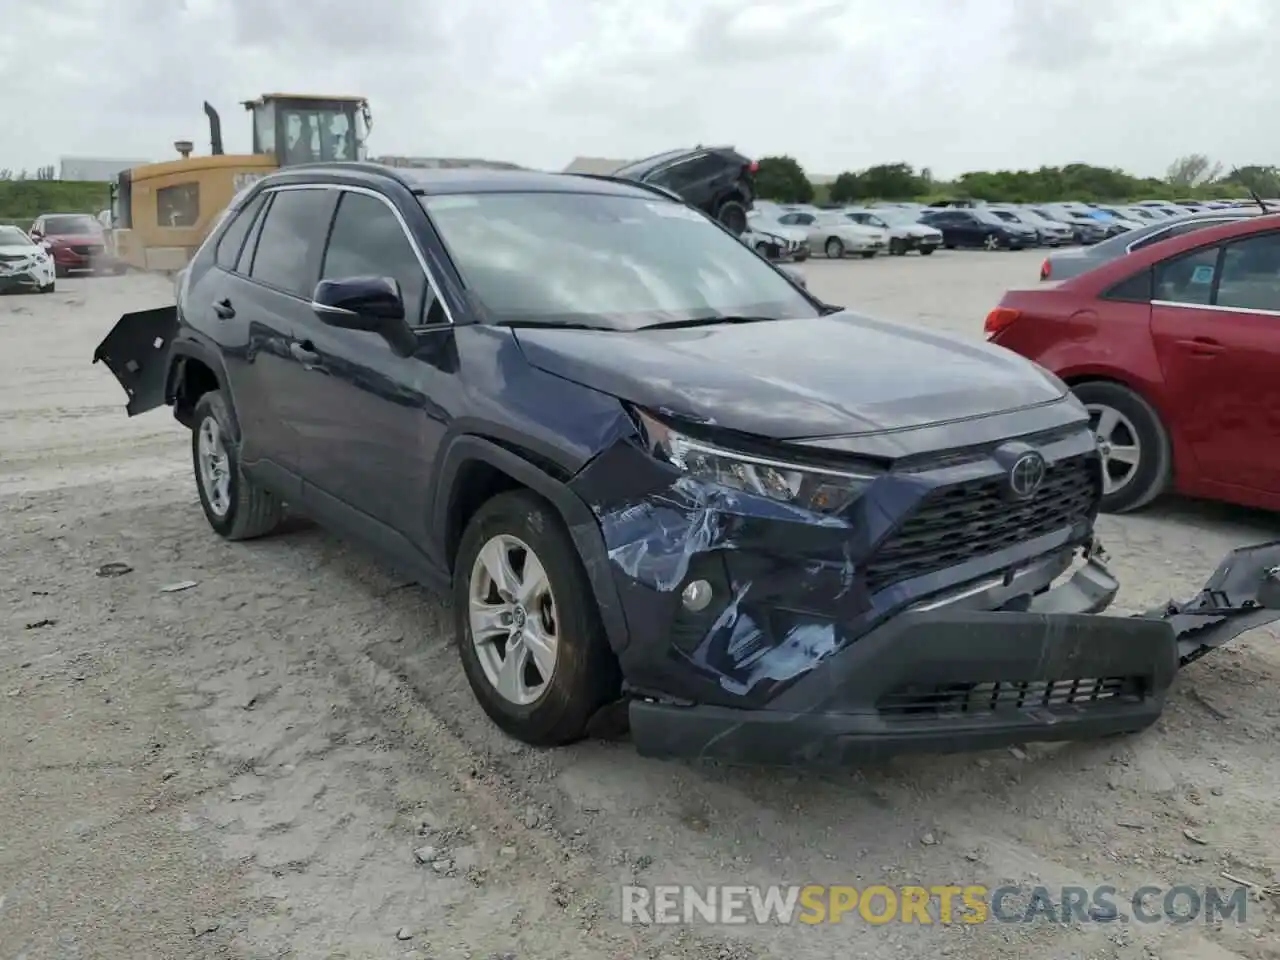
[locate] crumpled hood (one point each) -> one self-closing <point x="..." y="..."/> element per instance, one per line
<point x="19" y="250"/>
<point x="781" y="231"/>
<point x="914" y="230"/>
<point x="839" y="375"/>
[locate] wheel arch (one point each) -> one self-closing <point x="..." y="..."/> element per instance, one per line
<point x="1180" y="453"/>
<point x="193" y="372"/>
<point x="474" y="469"/>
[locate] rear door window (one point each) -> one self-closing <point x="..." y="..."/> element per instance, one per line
<point x="1187" y="278"/>
<point x="291" y="240"/>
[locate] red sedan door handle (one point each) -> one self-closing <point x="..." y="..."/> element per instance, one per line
<point x="1201" y="346"/>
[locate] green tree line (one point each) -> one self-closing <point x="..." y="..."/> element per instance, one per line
<point x="1195" y="176"/>
<point x="21" y="201"/>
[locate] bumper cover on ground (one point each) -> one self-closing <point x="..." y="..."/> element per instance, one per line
<point x="948" y="680"/>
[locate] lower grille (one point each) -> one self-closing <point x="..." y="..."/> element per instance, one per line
<point x="1002" y="696"/>
<point x="959" y="523"/>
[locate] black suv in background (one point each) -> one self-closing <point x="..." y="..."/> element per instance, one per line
<point x="719" y="181"/>
<point x="660" y="480"/>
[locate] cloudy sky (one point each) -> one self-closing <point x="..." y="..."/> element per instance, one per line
<point x="954" y="85"/>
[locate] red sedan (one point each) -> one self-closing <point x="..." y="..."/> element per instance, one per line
<point x="76" y="241"/>
<point x="1175" y="351"/>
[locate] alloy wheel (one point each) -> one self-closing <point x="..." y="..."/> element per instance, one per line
<point x="214" y="467"/>
<point x="514" y="625"/>
<point x="1118" y="444"/>
<point x="991" y="242"/>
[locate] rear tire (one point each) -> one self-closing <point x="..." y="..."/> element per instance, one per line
<point x="734" y="217"/>
<point x="235" y="506"/>
<point x="834" y="248"/>
<point x="545" y="710"/>
<point x="1130" y="425"/>
<point x="868" y="254"/>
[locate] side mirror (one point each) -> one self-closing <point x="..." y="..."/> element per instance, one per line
<point x="35" y="235"/>
<point x="369" y="304"/>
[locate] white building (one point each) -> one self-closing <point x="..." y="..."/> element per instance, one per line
<point x="96" y="169"/>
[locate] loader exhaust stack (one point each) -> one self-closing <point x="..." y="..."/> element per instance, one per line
<point x="215" y="129"/>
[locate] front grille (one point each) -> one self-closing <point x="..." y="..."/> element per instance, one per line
<point x="959" y="523"/>
<point x="86" y="251"/>
<point x="1004" y="696"/>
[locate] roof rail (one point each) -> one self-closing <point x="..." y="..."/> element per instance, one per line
<point x="361" y="166"/>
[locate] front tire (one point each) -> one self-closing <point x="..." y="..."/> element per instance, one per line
<point x="926" y="251"/>
<point x="49" y="287"/>
<point x="991" y="242"/>
<point x="527" y="627"/>
<point x="897" y="248"/>
<point x="235" y="506"/>
<point x="1137" y="457"/>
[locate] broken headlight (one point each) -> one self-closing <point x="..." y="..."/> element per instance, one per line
<point x="810" y="488"/>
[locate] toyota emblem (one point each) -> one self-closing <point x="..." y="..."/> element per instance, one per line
<point x="1026" y="475"/>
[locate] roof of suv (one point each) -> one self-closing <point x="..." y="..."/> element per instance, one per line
<point x="436" y="181"/>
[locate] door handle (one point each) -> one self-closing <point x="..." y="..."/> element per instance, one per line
<point x="304" y="353"/>
<point x="1201" y="346"/>
<point x="224" y="309"/>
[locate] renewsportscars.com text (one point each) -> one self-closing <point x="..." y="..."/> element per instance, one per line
<point x="943" y="904"/>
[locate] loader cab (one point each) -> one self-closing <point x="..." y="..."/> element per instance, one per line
<point x="305" y="129"/>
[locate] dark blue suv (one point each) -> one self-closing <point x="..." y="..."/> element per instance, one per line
<point x="662" y="481"/>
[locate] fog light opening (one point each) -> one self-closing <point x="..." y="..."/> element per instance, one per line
<point x="696" y="596"/>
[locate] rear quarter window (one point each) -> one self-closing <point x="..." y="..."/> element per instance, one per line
<point x="1134" y="289"/>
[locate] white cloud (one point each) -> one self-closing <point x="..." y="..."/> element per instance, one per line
<point x="949" y="84"/>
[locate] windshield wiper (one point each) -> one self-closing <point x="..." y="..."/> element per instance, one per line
<point x="550" y="325"/>
<point x="706" y="322"/>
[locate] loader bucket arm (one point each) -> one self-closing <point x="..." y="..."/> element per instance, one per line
<point x="1242" y="595"/>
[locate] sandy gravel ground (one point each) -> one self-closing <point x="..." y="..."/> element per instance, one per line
<point x="245" y="768"/>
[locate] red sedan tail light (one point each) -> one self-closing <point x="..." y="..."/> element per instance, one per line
<point x="1046" y="268"/>
<point x="999" y="319"/>
<point x="753" y="167"/>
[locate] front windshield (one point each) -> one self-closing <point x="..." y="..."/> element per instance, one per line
<point x="604" y="261"/>
<point x="77" y="226"/>
<point x="318" y="135"/>
<point x="13" y="237"/>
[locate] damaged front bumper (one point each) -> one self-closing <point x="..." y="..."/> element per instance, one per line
<point x="137" y="352"/>
<point x="947" y="678"/>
